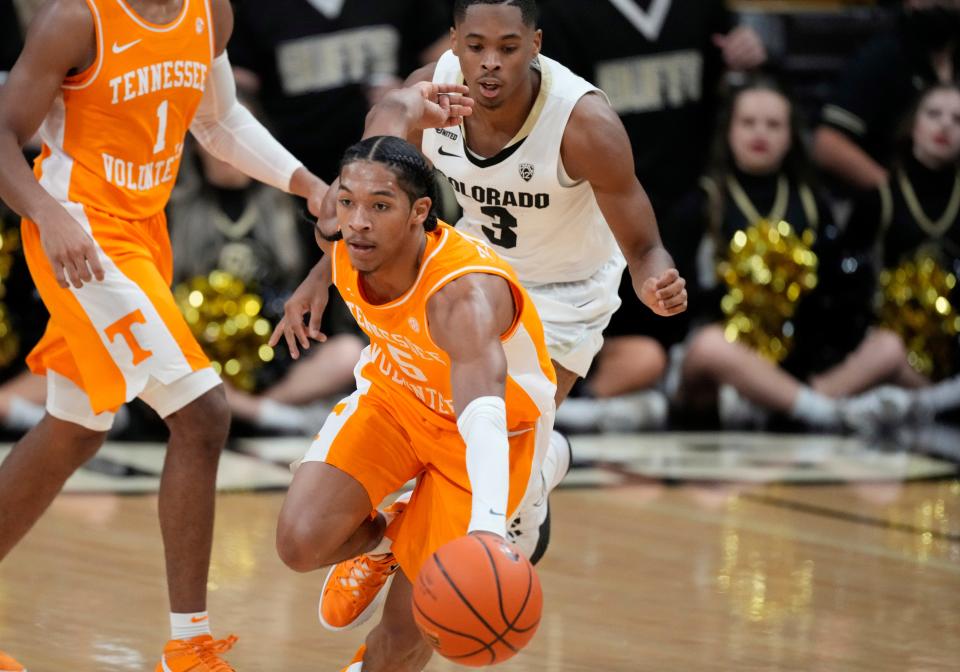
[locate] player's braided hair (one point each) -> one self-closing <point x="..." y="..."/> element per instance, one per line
<point x="414" y="174"/>
<point x="528" y="8"/>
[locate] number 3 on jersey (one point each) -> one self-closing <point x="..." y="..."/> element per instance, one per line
<point x="503" y="231"/>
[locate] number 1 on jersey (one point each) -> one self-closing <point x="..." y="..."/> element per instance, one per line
<point x="162" y="127"/>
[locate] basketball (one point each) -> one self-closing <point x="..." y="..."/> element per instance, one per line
<point x="477" y="600"/>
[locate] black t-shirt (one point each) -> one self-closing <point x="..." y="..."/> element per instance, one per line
<point x="661" y="80"/>
<point x="315" y="66"/>
<point x="11" y="41"/>
<point x="901" y="234"/>
<point x="877" y="89"/>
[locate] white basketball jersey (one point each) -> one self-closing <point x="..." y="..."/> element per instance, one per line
<point x="549" y="228"/>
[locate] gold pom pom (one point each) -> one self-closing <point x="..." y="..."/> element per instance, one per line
<point x="767" y="271"/>
<point x="224" y="316"/>
<point x="914" y="302"/>
<point x="9" y="339"/>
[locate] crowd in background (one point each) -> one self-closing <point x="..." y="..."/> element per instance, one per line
<point x="811" y="199"/>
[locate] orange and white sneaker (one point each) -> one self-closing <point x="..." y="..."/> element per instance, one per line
<point x="354" y="588"/>
<point x="199" y="654"/>
<point x="8" y="664"/>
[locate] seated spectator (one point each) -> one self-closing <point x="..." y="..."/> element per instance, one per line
<point x="225" y="221"/>
<point x="918" y="212"/>
<point x="855" y="139"/>
<point x="762" y="175"/>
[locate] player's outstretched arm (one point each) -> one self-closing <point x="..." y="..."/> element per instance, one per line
<point x="230" y="132"/>
<point x="60" y="41"/>
<point x="596" y="148"/>
<point x="467" y="318"/>
<point x="405" y="112"/>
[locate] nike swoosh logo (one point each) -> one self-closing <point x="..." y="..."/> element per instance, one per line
<point x="117" y="49"/>
<point x="443" y="153"/>
<point x="194" y="619"/>
<point x="494" y="513"/>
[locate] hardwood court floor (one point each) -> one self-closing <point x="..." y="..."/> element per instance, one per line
<point x="641" y="576"/>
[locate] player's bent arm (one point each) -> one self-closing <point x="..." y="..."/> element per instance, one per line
<point x="467" y="318"/>
<point x="60" y="41"/>
<point x="231" y="133"/>
<point x="596" y="148"/>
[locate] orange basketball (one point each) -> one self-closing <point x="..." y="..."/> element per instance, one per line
<point x="477" y="601"/>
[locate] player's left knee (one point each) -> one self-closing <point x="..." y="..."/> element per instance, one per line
<point x="301" y="545"/>
<point x="204" y="421"/>
<point x="889" y="347"/>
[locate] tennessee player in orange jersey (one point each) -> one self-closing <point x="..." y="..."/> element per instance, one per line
<point x="456" y="389"/>
<point x="113" y="86"/>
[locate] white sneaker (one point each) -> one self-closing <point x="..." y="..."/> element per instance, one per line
<point x="626" y="413"/>
<point x="529" y="530"/>
<point x="633" y="412"/>
<point x="882" y="408"/>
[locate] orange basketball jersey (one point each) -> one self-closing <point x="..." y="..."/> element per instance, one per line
<point x="114" y="137"/>
<point x="403" y="361"/>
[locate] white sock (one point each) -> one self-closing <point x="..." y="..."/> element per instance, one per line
<point x="815" y="409"/>
<point x="22" y="414"/>
<point x="943" y="396"/>
<point x="382" y="549"/>
<point x="274" y="415"/>
<point x="556" y="463"/>
<point x="356" y="667"/>
<point x="386" y="543"/>
<point x="188" y="626"/>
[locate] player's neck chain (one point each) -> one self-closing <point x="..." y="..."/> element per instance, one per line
<point x="746" y="207"/>
<point x="932" y="228"/>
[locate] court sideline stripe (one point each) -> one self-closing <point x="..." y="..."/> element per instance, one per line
<point x="826" y="512"/>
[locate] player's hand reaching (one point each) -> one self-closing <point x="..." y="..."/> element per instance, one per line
<point x="423" y="105"/>
<point x="666" y="295"/>
<point x="443" y="104"/>
<point x="71" y="250"/>
<point x="310" y="297"/>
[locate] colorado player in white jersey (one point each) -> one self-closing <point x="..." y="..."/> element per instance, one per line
<point x="544" y="172"/>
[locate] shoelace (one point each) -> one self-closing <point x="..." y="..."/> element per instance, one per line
<point x="360" y="569"/>
<point x="208" y="653"/>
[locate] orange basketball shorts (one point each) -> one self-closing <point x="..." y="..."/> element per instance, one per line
<point x="124" y="337"/>
<point x="383" y="443"/>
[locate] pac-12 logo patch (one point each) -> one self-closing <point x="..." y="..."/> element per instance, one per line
<point x="199" y="26"/>
<point x="526" y="171"/>
<point x="414" y="325"/>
